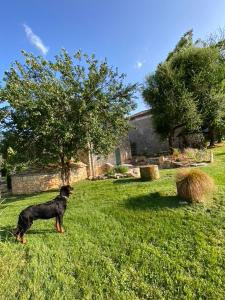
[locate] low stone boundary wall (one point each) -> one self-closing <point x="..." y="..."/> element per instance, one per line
<point x="39" y="182"/>
<point x="3" y="187"/>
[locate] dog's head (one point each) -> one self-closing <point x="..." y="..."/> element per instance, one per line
<point x="66" y="190"/>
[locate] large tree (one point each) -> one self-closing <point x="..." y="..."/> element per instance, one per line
<point x="57" y="108"/>
<point x="172" y="105"/>
<point x="185" y="91"/>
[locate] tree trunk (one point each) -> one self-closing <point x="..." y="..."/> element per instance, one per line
<point x="92" y="165"/>
<point x="65" y="171"/>
<point x="171" y="140"/>
<point x="91" y="162"/>
<point x="68" y="172"/>
<point x="219" y="138"/>
<point x="212" y="137"/>
<point x="62" y="172"/>
<point x="185" y="141"/>
<point x="172" y="133"/>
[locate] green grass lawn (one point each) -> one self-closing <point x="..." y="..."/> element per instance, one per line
<point x="124" y="239"/>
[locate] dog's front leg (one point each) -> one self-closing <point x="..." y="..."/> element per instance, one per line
<point x="61" y="230"/>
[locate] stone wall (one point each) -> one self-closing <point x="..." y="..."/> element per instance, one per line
<point x="143" y="138"/>
<point x="39" y="182"/>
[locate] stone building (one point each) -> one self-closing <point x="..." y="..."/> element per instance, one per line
<point x="145" y="141"/>
<point x="143" y="138"/>
<point x="121" y="155"/>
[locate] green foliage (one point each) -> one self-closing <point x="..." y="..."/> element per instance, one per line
<point x="175" y="152"/>
<point x="186" y="41"/>
<point x="110" y="172"/>
<point x="172" y="105"/>
<point x="57" y="108"/>
<point x="121" y="169"/>
<point x="186" y="91"/>
<point x="118" y="169"/>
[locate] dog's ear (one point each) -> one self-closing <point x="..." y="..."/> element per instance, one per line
<point x="65" y="190"/>
<point x="70" y="187"/>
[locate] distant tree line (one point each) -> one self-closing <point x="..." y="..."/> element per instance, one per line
<point x="186" y="93"/>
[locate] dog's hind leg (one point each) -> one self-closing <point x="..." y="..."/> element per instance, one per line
<point x="18" y="238"/>
<point x="26" y="226"/>
<point x="17" y="230"/>
<point x="57" y="224"/>
<point x="22" y="240"/>
<point x="21" y="236"/>
<point x="16" y="233"/>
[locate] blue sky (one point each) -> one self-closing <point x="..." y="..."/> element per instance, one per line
<point x="134" y="35"/>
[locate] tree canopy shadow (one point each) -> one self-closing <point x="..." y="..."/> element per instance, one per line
<point x="41" y="231"/>
<point x="12" y="199"/>
<point x="153" y="201"/>
<point x="6" y="233"/>
<point x="127" y="180"/>
<point x="220" y="154"/>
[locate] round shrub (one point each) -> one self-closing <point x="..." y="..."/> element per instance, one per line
<point x="194" y="185"/>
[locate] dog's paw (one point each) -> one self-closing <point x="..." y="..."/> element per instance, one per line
<point x="62" y="230"/>
<point x="18" y="238"/>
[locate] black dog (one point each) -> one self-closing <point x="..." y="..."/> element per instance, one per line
<point x="52" y="209"/>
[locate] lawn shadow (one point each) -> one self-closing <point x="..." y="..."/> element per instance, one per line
<point x="6" y="234"/>
<point x="41" y="231"/>
<point x="220" y="154"/>
<point x="154" y="201"/>
<point x="127" y="180"/>
<point x="12" y="199"/>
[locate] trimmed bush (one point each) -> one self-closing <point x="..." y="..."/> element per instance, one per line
<point x="118" y="169"/>
<point x="194" y="185"/>
<point x="121" y="169"/>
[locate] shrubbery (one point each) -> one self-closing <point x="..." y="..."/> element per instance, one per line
<point x="118" y="169"/>
<point x="194" y="185"/>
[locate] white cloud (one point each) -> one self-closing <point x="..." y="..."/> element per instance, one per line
<point x="35" y="40"/>
<point x="139" y="64"/>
